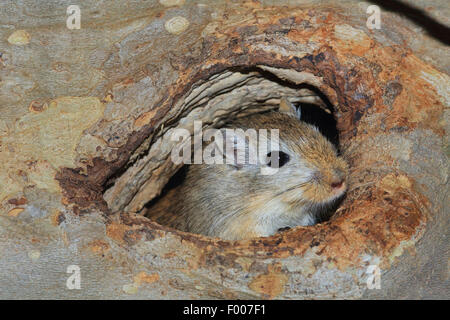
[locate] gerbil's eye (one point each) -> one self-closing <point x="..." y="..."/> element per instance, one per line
<point x="283" y="158"/>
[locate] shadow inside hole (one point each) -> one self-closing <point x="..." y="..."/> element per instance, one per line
<point x="175" y="181"/>
<point x="324" y="121"/>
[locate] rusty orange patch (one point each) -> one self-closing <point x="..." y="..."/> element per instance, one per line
<point x="99" y="246"/>
<point x="170" y="255"/>
<point x="117" y="231"/>
<point x="270" y="285"/>
<point x="144" y="119"/>
<point x="143" y="277"/>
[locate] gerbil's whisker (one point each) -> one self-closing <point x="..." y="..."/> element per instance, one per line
<point x="293" y="188"/>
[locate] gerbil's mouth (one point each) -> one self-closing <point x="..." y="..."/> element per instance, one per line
<point x="338" y="194"/>
<point x="325" y="209"/>
<point x="340" y="189"/>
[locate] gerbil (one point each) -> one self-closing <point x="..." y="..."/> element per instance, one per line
<point x="238" y="202"/>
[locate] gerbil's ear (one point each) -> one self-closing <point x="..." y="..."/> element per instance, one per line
<point x="288" y="108"/>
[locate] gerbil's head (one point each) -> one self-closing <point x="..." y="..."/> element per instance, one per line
<point x="309" y="171"/>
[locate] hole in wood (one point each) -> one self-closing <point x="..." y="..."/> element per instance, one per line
<point x="306" y="191"/>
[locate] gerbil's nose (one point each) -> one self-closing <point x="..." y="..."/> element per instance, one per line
<point x="337" y="184"/>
